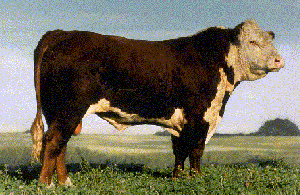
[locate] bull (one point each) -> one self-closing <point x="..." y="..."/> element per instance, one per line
<point x="180" y="84"/>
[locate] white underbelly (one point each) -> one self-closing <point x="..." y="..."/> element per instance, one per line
<point x="121" y="120"/>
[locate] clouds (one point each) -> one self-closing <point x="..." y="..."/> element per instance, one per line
<point x="29" y="20"/>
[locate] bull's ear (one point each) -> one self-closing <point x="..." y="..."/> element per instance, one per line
<point x="247" y="24"/>
<point x="237" y="31"/>
<point x="245" y="29"/>
<point x="272" y="34"/>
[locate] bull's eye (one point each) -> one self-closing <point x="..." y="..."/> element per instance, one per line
<point x="254" y="43"/>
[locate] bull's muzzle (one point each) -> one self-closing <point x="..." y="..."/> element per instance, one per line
<point x="278" y="64"/>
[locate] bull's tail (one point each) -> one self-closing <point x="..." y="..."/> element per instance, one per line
<point x="37" y="132"/>
<point x="37" y="127"/>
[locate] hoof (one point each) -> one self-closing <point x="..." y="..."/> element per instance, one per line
<point x="67" y="183"/>
<point x="50" y="186"/>
<point x="178" y="172"/>
<point x="195" y="173"/>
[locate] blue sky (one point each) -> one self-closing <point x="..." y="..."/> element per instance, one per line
<point x="24" y="22"/>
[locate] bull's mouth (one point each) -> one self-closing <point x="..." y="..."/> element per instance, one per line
<point x="260" y="72"/>
<point x="273" y="69"/>
<point x="265" y="71"/>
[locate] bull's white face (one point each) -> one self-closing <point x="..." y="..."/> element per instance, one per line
<point x="256" y="54"/>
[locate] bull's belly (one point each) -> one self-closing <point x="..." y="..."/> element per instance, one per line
<point x="121" y="120"/>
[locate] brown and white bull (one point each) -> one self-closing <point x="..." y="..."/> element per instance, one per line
<point x="180" y="84"/>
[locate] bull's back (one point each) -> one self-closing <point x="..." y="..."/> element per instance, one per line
<point x="82" y="66"/>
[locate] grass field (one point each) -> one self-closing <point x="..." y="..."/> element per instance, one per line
<point x="142" y="164"/>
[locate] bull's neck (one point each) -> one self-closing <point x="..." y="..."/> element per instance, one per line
<point x="239" y="67"/>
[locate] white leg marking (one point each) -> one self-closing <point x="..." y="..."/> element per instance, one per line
<point x="51" y="185"/>
<point x="68" y="182"/>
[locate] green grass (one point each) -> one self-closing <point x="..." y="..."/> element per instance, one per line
<point x="122" y="164"/>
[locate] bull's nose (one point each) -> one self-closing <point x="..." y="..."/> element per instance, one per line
<point x="278" y="63"/>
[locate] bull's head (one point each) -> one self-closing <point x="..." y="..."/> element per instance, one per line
<point x="256" y="54"/>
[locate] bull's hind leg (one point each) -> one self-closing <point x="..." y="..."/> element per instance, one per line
<point x="61" y="169"/>
<point x="54" y="149"/>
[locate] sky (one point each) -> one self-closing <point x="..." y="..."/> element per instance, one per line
<point x="24" y="22"/>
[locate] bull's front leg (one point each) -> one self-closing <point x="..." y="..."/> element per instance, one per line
<point x="181" y="153"/>
<point x="195" y="157"/>
<point x="190" y="143"/>
<point x="61" y="169"/>
<point x="183" y="148"/>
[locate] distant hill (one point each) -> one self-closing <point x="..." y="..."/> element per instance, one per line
<point x="162" y="133"/>
<point x="27" y="131"/>
<point x="277" y="127"/>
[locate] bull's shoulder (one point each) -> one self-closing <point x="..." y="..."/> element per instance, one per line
<point x="209" y="39"/>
